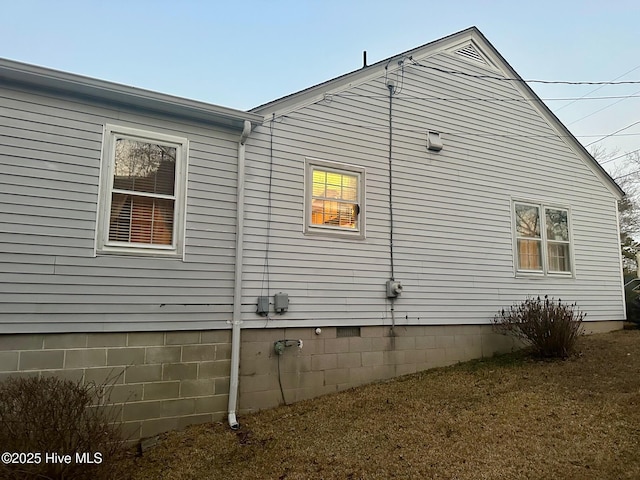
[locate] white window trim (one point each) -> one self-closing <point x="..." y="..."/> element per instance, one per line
<point x="103" y="244"/>
<point x="327" y="230"/>
<point x="545" y="272"/>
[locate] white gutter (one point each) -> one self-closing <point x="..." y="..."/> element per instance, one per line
<point x="46" y="78"/>
<point x="237" y="289"/>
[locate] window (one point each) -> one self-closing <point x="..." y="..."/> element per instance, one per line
<point x="334" y="199"/>
<point x="142" y="192"/>
<point x="543" y="244"/>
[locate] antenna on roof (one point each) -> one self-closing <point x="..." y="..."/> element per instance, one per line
<point x="364" y="59"/>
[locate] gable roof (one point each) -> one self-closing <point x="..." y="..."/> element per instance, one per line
<point x="473" y="45"/>
<point x="19" y="74"/>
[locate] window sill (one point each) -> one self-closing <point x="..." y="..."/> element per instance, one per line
<point x="543" y="275"/>
<point x="139" y="251"/>
<point x="334" y="233"/>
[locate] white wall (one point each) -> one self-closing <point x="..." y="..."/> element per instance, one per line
<point x="50" y="278"/>
<point x="452" y="209"/>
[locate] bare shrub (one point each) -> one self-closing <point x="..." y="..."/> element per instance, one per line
<point x="632" y="303"/>
<point x="43" y="417"/>
<point x="550" y="327"/>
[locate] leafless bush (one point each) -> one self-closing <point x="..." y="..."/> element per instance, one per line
<point x="58" y="429"/>
<point x="550" y="327"/>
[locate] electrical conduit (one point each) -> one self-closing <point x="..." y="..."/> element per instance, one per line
<point x="391" y="87"/>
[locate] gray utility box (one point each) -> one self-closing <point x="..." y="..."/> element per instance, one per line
<point x="263" y="306"/>
<point x="394" y="288"/>
<point x="281" y="302"/>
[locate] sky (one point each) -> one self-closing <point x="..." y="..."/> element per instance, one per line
<point x="246" y="53"/>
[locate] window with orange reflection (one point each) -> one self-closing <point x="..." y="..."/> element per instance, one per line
<point x="334" y="199"/>
<point x="141" y="220"/>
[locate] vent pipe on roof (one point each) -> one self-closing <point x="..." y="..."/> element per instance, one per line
<point x="364" y="59"/>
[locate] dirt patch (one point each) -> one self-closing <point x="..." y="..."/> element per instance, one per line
<point x="502" y="418"/>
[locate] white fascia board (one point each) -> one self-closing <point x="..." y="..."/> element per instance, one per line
<point x="18" y="73"/>
<point x="321" y="92"/>
<point x="338" y="85"/>
<point x="545" y="112"/>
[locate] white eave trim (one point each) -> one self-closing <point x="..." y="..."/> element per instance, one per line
<point x="313" y="94"/>
<point x="449" y="44"/>
<point x="78" y="85"/>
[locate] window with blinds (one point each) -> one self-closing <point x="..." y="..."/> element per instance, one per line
<point x="334" y="196"/>
<point x="528" y="237"/>
<point x="142" y="191"/>
<point x="543" y="241"/>
<point x="334" y="199"/>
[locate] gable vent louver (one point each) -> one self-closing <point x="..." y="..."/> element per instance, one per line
<point x="469" y="52"/>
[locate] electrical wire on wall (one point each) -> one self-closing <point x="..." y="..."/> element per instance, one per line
<point x="400" y="74"/>
<point x="479" y="99"/>
<point x="390" y="86"/>
<point x="458" y="133"/>
<point x="284" y="400"/>
<point x="266" y="277"/>
<point x="280" y="346"/>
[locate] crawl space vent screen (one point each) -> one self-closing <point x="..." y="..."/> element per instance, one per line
<point x="347" y="332"/>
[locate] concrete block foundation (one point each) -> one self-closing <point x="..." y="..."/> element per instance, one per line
<point x="168" y="380"/>
<point x="329" y="363"/>
<point x="162" y="381"/>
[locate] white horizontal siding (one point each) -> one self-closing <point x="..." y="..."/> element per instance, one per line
<point x="453" y="247"/>
<point x="50" y="278"/>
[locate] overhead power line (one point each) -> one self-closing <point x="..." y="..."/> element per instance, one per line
<point x="627" y="175"/>
<point x="372" y="126"/>
<point x="507" y="79"/>
<point x="614" y="133"/>
<point x="619" y="156"/>
<point x="487" y="99"/>
<point x="604" y="108"/>
<point x="596" y="89"/>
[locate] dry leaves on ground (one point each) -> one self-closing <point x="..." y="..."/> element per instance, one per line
<point x="502" y="418"/>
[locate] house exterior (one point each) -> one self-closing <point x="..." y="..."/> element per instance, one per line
<point x="219" y="261"/>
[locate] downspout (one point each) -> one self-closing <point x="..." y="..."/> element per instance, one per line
<point x="237" y="288"/>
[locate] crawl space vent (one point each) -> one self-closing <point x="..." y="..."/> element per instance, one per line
<point x="347" y="332"/>
<point x="470" y="53"/>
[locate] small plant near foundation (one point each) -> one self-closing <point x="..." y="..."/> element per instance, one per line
<point x="57" y="429"/>
<point x="551" y="327"/>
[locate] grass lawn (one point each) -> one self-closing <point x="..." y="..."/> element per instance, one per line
<point x="508" y="417"/>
